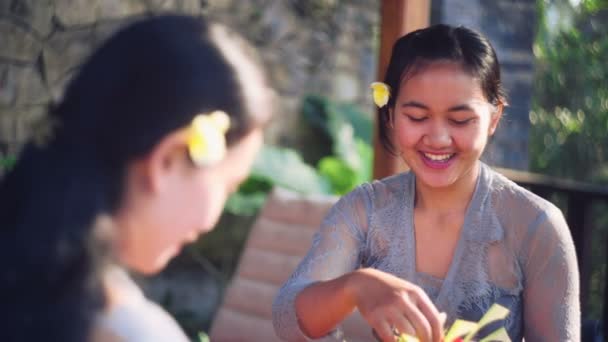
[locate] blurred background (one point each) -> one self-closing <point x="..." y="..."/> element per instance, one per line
<point x="321" y="56"/>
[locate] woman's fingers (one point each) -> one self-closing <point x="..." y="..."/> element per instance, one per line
<point x="434" y="319"/>
<point x="420" y="323"/>
<point x="384" y="331"/>
<point x="402" y="324"/>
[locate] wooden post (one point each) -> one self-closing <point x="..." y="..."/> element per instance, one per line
<point x="398" y="17"/>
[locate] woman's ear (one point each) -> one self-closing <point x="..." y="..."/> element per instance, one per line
<point x="167" y="160"/>
<point x="496" y="115"/>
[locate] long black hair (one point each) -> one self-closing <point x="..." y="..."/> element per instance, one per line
<point x="441" y="42"/>
<point x="147" y="80"/>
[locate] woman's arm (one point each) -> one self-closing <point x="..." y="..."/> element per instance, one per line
<point x="336" y="250"/>
<point x="551" y="283"/>
<point x="385" y="301"/>
<point x="327" y="285"/>
<point x="321" y="306"/>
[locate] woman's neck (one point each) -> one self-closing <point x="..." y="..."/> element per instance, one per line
<point x="450" y="199"/>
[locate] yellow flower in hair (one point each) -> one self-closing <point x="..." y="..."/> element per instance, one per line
<point x="381" y="93"/>
<point x="207" y="138"/>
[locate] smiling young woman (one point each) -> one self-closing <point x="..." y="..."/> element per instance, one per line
<point x="450" y="237"/>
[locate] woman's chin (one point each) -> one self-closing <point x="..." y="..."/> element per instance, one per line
<point x="437" y="181"/>
<point x="159" y="263"/>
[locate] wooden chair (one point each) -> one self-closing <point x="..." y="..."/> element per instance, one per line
<point x="278" y="241"/>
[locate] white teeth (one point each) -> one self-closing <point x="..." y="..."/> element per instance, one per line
<point x="438" y="157"/>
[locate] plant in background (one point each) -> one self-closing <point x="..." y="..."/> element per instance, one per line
<point x="275" y="166"/>
<point x="7" y="162"/>
<point x="348" y="165"/>
<point x="569" y="117"/>
<point x="350" y="131"/>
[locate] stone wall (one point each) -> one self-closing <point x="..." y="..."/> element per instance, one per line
<point x="319" y="46"/>
<point x="511" y="26"/>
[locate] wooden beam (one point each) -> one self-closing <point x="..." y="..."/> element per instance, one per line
<point x="398" y="17"/>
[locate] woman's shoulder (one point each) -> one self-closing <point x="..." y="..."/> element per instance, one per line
<point x="132" y="317"/>
<point x="520" y="206"/>
<point x="145" y="321"/>
<point x="505" y="190"/>
<point x="389" y="190"/>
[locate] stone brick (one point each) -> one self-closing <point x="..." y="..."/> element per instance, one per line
<point x="192" y="7"/>
<point x="8" y="91"/>
<point x="7" y="127"/>
<point x="18" y="124"/>
<point x="219" y="5"/>
<point x="30" y="88"/>
<point x="76" y="12"/>
<point x="65" y="51"/>
<point x="21" y="85"/>
<point x="106" y="29"/>
<point x="118" y="9"/>
<point x="87" y="12"/>
<point x="345" y="86"/>
<point x="17" y="43"/>
<point x="28" y="122"/>
<point x="36" y="13"/>
<point x="57" y="88"/>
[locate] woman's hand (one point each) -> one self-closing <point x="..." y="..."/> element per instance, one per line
<point x="390" y="304"/>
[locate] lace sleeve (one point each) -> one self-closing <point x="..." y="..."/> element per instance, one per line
<point x="336" y="250"/>
<point x="551" y="290"/>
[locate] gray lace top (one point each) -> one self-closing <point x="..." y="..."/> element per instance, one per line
<point x="515" y="249"/>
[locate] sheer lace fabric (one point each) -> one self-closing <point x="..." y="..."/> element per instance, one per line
<point x="515" y="249"/>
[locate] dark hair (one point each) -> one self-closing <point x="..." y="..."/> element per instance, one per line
<point x="146" y="81"/>
<point x="417" y="49"/>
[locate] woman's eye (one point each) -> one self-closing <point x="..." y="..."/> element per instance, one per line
<point x="416" y="119"/>
<point x="461" y="122"/>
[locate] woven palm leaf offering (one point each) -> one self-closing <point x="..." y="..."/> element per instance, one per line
<point x="465" y="331"/>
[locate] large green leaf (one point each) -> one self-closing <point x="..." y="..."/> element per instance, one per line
<point x="285" y="167"/>
<point x="341" y="176"/>
<point x="350" y="131"/>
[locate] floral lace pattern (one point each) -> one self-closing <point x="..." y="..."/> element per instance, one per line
<point x="515" y="248"/>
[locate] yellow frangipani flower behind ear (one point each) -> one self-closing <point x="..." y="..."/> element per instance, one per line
<point x="206" y="138"/>
<point x="381" y="93"/>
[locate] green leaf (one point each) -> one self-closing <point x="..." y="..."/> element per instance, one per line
<point x="341" y="177"/>
<point x="8" y="162"/>
<point x="202" y="337"/>
<point x="245" y="204"/>
<point x="285" y="167"/>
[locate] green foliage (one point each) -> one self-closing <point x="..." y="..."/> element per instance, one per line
<point x="6" y="163"/>
<point x="350" y="164"/>
<point x="569" y="117"/>
<point x="570" y="110"/>
<point x="592" y="6"/>
<point x="350" y="131"/>
<point x="275" y="166"/>
<point x="285" y="168"/>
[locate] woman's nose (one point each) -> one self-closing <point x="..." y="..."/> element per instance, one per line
<point x="438" y="136"/>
